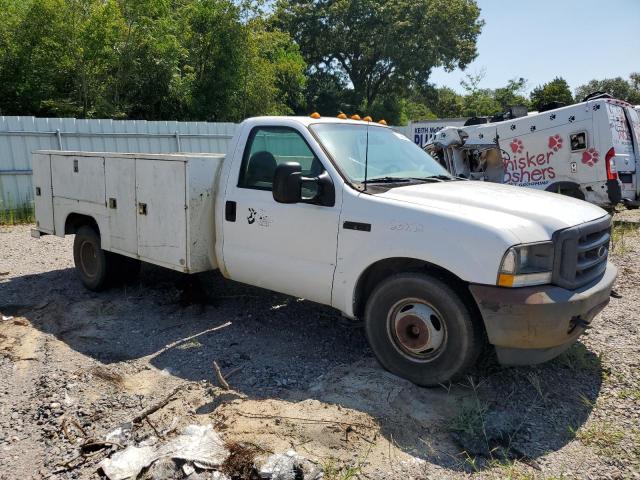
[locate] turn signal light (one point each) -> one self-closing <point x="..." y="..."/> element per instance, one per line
<point x="315" y="115"/>
<point x="505" y="280"/>
<point x="342" y="116"/>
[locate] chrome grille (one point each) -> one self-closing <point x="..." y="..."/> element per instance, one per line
<point x="581" y="253"/>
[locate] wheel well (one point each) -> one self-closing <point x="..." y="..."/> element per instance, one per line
<point x="76" y="220"/>
<point x="558" y="186"/>
<point x="383" y="269"/>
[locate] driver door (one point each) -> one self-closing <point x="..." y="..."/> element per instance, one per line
<point x="289" y="248"/>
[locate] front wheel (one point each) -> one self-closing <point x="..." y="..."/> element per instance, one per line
<point x="420" y="329"/>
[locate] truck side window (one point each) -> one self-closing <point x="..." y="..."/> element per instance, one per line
<point x="268" y="147"/>
<point x="578" y="141"/>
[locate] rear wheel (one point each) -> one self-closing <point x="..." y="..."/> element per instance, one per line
<point x="421" y="330"/>
<point x="92" y="263"/>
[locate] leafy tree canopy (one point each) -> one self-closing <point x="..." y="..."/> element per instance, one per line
<point x="557" y="90"/>
<point x="382" y="46"/>
<point x="618" y="87"/>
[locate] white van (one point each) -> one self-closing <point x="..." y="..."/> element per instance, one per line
<point x="590" y="151"/>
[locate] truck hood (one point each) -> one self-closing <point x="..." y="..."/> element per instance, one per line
<point x="529" y="214"/>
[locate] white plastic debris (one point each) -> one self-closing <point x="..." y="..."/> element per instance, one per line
<point x="288" y="466"/>
<point x="4" y="319"/>
<point x="120" y="434"/>
<point x="197" y="443"/>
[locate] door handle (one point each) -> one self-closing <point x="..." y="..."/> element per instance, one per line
<point x="142" y="208"/>
<point x="230" y="211"/>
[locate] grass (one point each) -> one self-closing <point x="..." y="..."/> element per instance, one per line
<point x="332" y="470"/>
<point x="619" y="231"/>
<point x="633" y="394"/>
<point x="603" y="437"/>
<point x="578" y="357"/>
<point x="16" y="215"/>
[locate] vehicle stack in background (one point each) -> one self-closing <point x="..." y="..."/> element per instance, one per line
<point x="590" y="150"/>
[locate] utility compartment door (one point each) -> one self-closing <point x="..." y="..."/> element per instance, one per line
<point x="120" y="187"/>
<point x="78" y="178"/>
<point x="161" y="212"/>
<point x="43" y="194"/>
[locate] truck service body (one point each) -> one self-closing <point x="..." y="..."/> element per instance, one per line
<point x="590" y="150"/>
<point x="353" y="215"/>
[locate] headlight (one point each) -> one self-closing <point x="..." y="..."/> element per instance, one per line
<point x="527" y="264"/>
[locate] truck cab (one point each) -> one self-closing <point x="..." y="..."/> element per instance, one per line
<point x="351" y="214"/>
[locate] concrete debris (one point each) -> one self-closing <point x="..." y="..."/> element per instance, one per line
<point x="289" y="466"/>
<point x="199" y="444"/>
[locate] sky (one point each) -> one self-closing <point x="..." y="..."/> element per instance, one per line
<point x="578" y="40"/>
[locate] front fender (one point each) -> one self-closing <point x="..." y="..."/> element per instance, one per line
<point x="470" y="249"/>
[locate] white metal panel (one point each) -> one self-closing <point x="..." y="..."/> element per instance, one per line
<point x="120" y="185"/>
<point x="202" y="174"/>
<point x="162" y="238"/>
<point x="78" y="177"/>
<point x="43" y="194"/>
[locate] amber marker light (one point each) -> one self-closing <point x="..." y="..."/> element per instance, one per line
<point x="315" y="115"/>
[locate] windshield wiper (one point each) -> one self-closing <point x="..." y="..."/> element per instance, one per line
<point x="435" y="177"/>
<point x="387" y="180"/>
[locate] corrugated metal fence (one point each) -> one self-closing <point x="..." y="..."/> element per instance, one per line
<point x="19" y="136"/>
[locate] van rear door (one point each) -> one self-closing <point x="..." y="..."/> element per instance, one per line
<point x="625" y="158"/>
<point x="634" y="124"/>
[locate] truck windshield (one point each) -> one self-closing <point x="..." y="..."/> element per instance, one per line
<point x="391" y="156"/>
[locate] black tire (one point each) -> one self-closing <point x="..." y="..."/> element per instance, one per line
<point x="409" y="309"/>
<point x="93" y="264"/>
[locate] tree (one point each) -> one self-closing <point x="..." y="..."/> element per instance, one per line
<point x="512" y="94"/>
<point x="478" y="101"/>
<point x="618" y="87"/>
<point x="381" y="46"/>
<point x="557" y="90"/>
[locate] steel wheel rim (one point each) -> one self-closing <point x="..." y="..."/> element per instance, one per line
<point x="89" y="259"/>
<point x="417" y="330"/>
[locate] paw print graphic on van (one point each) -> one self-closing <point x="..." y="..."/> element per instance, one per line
<point x="555" y="142"/>
<point x="590" y="157"/>
<point x="516" y="145"/>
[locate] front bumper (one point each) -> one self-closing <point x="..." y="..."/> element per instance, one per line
<point x="534" y="324"/>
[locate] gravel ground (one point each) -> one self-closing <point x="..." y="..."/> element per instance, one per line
<point x="75" y="364"/>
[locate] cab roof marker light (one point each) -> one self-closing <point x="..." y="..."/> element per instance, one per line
<point x="367" y="119"/>
<point x="342" y="116"/>
<point x="355" y="117"/>
<point x="315" y="115"/>
<point x="382" y="122"/>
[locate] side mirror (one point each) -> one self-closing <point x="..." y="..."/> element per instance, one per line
<point x="287" y="183"/>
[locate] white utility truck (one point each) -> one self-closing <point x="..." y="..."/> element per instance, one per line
<point x="350" y="214"/>
<point x="590" y="151"/>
